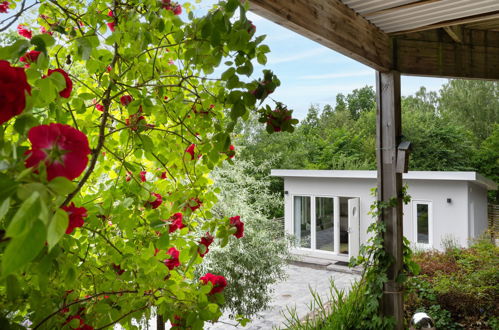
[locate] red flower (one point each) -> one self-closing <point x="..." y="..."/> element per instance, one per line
<point x="24" y="32"/>
<point x="66" y="92"/>
<point x="111" y="26"/>
<point x="117" y="269"/>
<point x="44" y="31"/>
<point x="163" y="175"/>
<point x="30" y="56"/>
<point x="62" y="148"/>
<point x="13" y="88"/>
<point x="231" y="153"/>
<point x="252" y="27"/>
<point x="177" y="321"/>
<point x="126" y="100"/>
<point x="157" y="202"/>
<point x="236" y="222"/>
<point x="173" y="261"/>
<point x="99" y="107"/>
<point x="108" y="69"/>
<point x="174" y="7"/>
<point x="206" y="240"/>
<point x="176" y="222"/>
<point x="4" y="6"/>
<point x="76" y="215"/>
<point x="128" y="176"/>
<point x="156" y="250"/>
<point x="133" y="121"/>
<point x="190" y="150"/>
<point x="197" y="204"/>
<point x="219" y="282"/>
<point x="143" y="176"/>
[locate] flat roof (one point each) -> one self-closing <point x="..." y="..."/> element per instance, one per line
<point x="411" y="175"/>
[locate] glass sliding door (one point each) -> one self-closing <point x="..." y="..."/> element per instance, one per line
<point x="423" y="222"/>
<point x="324" y="223"/>
<point x="302" y="221"/>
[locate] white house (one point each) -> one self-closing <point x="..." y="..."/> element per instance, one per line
<point x="327" y="211"/>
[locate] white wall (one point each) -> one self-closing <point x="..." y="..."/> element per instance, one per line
<point x="478" y="213"/>
<point x="449" y="220"/>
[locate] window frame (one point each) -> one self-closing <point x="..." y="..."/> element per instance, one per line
<point x="429" y="203"/>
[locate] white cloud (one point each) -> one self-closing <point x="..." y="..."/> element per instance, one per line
<point x="358" y="73"/>
<point x="297" y="56"/>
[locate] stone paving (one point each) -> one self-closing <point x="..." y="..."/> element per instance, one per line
<point x="293" y="292"/>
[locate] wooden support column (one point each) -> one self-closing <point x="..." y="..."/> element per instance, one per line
<point x="388" y="130"/>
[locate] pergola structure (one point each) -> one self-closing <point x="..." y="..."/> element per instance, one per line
<point x="436" y="38"/>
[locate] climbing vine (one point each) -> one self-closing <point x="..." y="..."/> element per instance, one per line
<point x="375" y="263"/>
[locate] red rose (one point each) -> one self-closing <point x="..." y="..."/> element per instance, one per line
<point x="24" y="32"/>
<point x="99" y="107"/>
<point x="117" y="269"/>
<point x="126" y="100"/>
<point x="236" y="222"/>
<point x="128" y="176"/>
<point x="108" y="69"/>
<point x="190" y="150"/>
<point x="4" y="6"/>
<point x="13" y="88"/>
<point x="111" y="26"/>
<point x="176" y="222"/>
<point x="206" y="240"/>
<point x="173" y="261"/>
<point x="66" y="92"/>
<point x="219" y="282"/>
<point x="157" y="202"/>
<point x="133" y="121"/>
<point x="62" y="148"/>
<point x="143" y="176"/>
<point x="76" y="215"/>
<point x="30" y="56"/>
<point x="174" y="7"/>
<point x="196" y="205"/>
<point x="163" y="175"/>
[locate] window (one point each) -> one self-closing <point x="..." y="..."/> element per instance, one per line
<point x="324" y="226"/>
<point x="423" y="222"/>
<point x="302" y="221"/>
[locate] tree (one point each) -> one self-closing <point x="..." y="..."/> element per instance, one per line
<point x="108" y="130"/>
<point x="473" y="104"/>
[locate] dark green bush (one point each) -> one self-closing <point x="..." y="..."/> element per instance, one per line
<point x="459" y="287"/>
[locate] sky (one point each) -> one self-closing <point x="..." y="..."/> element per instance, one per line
<point x="314" y="74"/>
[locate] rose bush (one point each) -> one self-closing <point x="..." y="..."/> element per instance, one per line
<point x="95" y="152"/>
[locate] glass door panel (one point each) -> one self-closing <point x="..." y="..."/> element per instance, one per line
<point x="302" y="221"/>
<point x="324" y="223"/>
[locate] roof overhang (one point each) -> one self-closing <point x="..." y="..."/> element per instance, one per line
<point x="411" y="175"/>
<point x="440" y="38"/>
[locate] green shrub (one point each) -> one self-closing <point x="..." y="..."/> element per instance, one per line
<point x="458" y="286"/>
<point x="256" y="261"/>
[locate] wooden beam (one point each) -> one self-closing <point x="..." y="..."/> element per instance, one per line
<point x="332" y="24"/>
<point x="435" y="54"/>
<point x="454" y="32"/>
<point x="392" y="9"/>
<point x="460" y="21"/>
<point x="388" y="136"/>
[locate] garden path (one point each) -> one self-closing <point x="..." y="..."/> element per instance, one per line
<point x="293" y="292"/>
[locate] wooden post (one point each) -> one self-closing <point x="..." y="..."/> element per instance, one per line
<point x="160" y="323"/>
<point x="388" y="130"/>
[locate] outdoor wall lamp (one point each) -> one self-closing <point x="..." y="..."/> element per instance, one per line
<point x="449" y="200"/>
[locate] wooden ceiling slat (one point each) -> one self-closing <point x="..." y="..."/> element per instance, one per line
<point x="466" y="20"/>
<point x="392" y="9"/>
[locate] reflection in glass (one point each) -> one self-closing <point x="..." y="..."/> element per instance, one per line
<point x="324" y="207"/>
<point x="422" y="219"/>
<point x="302" y="220"/>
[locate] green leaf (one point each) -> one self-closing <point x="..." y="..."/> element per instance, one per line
<point x="42" y="41"/>
<point x="7" y="186"/>
<point x="15" y="50"/>
<point x="84" y="48"/>
<point x="61" y="185"/>
<point x="57" y="227"/>
<point x="164" y="241"/>
<point x="13" y="288"/>
<point x="22" y="249"/>
<point x="4" y="208"/>
<point x="27" y="213"/>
